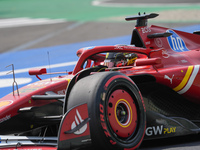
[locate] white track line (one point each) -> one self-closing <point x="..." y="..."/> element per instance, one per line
<point x="108" y="3"/>
<point x="3" y="73"/>
<point x="18" y="22"/>
<point x="44" y="38"/>
<point x="9" y="81"/>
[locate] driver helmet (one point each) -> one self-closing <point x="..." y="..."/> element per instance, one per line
<point x="113" y="59"/>
<point x="119" y="59"/>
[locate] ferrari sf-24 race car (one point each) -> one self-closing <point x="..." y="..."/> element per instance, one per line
<point x="116" y="96"/>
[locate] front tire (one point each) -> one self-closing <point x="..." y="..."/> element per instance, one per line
<point x="115" y="107"/>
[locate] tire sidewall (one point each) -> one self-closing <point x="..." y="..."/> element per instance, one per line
<point x="102" y="134"/>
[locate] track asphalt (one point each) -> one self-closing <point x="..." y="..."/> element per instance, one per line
<point x="86" y="23"/>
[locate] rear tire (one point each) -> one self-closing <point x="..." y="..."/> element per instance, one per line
<point x="115" y="107"/>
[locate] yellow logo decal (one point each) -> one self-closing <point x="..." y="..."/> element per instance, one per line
<point x="5" y="103"/>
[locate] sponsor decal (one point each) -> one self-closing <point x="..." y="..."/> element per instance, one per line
<point x="169" y="130"/>
<point x="165" y="54"/>
<point x="148" y="42"/>
<point x="72" y="119"/>
<point x="103" y="124"/>
<point x="182" y="61"/>
<point x="78" y="120"/>
<point x="168" y="78"/>
<point x="159" y="130"/>
<point x="119" y="47"/>
<point x="188" y="79"/>
<point x="132" y="47"/>
<point x="7" y="117"/>
<point x="5" y="103"/>
<point x="154" y="130"/>
<point x="176" y="42"/>
<point x="158" y="42"/>
<point x="146" y="30"/>
<point x="62" y="92"/>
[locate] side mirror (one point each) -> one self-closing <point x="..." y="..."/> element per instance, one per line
<point x="37" y="72"/>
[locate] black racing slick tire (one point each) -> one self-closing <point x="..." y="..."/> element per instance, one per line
<point x="116" y="110"/>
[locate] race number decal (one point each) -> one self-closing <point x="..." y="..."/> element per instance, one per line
<point x="176" y="43"/>
<point x="145" y="30"/>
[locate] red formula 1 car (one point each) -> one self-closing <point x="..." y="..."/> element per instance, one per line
<point x="116" y="96"/>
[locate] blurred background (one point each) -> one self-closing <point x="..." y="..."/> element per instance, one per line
<point x="25" y="21"/>
<point x="47" y="33"/>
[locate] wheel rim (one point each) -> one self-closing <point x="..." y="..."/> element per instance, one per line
<point x="122" y="113"/>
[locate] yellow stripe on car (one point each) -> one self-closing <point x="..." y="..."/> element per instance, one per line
<point x="185" y="79"/>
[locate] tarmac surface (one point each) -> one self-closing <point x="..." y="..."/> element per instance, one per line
<point x="78" y="26"/>
<point x="30" y="37"/>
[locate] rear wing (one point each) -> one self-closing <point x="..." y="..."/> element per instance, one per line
<point x="141" y="19"/>
<point x="141" y="22"/>
<point x="142" y="35"/>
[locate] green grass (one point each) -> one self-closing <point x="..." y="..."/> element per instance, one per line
<point x="73" y="10"/>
